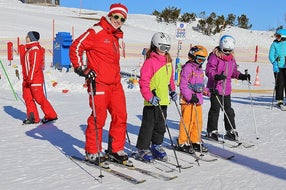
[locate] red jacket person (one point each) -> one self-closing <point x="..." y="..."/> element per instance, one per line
<point x="32" y="61"/>
<point x="100" y="43"/>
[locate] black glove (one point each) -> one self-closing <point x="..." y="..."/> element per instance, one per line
<point x="86" y="72"/>
<point x="244" y="77"/>
<point x="214" y="91"/>
<point x="218" y="77"/>
<point x="173" y="95"/>
<point x="194" y="99"/>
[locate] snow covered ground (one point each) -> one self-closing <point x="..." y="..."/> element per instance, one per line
<point x="36" y="156"/>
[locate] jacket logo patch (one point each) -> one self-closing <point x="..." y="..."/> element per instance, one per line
<point x="106" y="41"/>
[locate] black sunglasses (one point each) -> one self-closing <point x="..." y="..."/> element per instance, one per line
<point x="116" y="17"/>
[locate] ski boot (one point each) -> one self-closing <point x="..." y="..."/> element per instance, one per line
<point x="29" y="121"/>
<point x="45" y="120"/>
<point x="119" y="157"/>
<point x="144" y="155"/>
<point x="93" y="158"/>
<point x="158" y="152"/>
<point x="231" y="135"/>
<point x="186" y="147"/>
<point x="213" y="135"/>
<point x="199" y="147"/>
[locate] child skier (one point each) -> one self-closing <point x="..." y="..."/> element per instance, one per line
<point x="192" y="89"/>
<point x="156" y="84"/>
<point x="220" y="69"/>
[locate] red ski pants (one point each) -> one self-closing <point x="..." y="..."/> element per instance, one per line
<point x="109" y="98"/>
<point x="33" y="95"/>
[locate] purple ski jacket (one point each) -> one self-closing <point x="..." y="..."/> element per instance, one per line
<point x="219" y="63"/>
<point x="192" y="82"/>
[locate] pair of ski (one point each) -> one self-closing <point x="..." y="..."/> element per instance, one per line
<point x="281" y="107"/>
<point x="209" y="156"/>
<point x="106" y="167"/>
<point x="230" y="143"/>
<point x="167" y="165"/>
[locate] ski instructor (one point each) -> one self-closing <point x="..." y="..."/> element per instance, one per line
<point x="100" y="43"/>
<point x="32" y="62"/>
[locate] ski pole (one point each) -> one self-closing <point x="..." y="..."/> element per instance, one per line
<point x="167" y="127"/>
<point x="9" y="81"/>
<point x="92" y="91"/>
<point x="199" y="133"/>
<point x="250" y="97"/>
<point x="45" y="88"/>
<point x="186" y="131"/>
<point x="129" y="141"/>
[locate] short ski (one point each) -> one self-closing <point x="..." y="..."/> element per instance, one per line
<point x="223" y="142"/>
<point x="220" y="155"/>
<point x="230" y="143"/>
<point x="146" y="172"/>
<point x="158" y="165"/>
<point x="186" y="164"/>
<point x="246" y="143"/>
<point x="281" y="107"/>
<point x="106" y="168"/>
<point x="202" y="156"/>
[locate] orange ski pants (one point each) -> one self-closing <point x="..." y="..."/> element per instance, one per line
<point x="191" y="123"/>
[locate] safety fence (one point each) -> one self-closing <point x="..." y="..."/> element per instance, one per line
<point x="242" y="54"/>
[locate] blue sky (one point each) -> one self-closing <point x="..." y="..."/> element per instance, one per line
<point x="262" y="14"/>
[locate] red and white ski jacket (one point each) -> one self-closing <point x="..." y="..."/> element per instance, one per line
<point x="32" y="61"/>
<point x="101" y="46"/>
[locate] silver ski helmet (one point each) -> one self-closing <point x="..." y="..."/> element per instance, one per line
<point x="162" y="41"/>
<point x="227" y="43"/>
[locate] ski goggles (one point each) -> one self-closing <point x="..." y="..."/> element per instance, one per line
<point x="116" y="17"/>
<point x="200" y="59"/>
<point x="226" y="50"/>
<point x="164" y="47"/>
<point x="277" y="36"/>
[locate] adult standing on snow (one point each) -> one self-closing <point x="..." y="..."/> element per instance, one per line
<point x="32" y="61"/>
<point x="156" y="85"/>
<point x="100" y="43"/>
<point x="277" y="56"/>
<point x="220" y="69"/>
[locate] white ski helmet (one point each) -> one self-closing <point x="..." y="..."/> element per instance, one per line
<point x="162" y="41"/>
<point x="227" y="43"/>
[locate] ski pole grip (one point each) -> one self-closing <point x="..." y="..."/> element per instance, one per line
<point x="154" y="92"/>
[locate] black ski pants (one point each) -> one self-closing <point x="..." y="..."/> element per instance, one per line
<point x="214" y="111"/>
<point x="153" y="127"/>
<point x="280" y="83"/>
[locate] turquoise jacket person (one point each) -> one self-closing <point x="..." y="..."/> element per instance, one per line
<point x="277" y="51"/>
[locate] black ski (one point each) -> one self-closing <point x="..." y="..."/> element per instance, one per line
<point x="106" y="168"/>
<point x="146" y="172"/>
